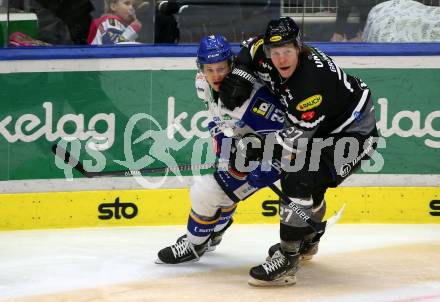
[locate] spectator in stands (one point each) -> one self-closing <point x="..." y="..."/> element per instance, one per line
<point x="343" y="11"/>
<point x="118" y="24"/>
<point x="59" y="21"/>
<point x="166" y="29"/>
<point x="403" y="21"/>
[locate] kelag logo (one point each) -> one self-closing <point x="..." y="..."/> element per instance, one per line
<point x="270" y="207"/>
<point x="117" y="210"/>
<point x="434" y="205"/>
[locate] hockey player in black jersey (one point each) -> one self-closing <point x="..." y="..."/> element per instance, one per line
<point x="330" y="125"/>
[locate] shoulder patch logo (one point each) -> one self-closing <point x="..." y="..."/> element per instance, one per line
<point x="307" y="116"/>
<point x="309" y="103"/>
<point x="262" y="108"/>
<point x="275" y="38"/>
<point x="255" y="46"/>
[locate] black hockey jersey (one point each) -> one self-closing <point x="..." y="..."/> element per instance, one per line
<point x="321" y="99"/>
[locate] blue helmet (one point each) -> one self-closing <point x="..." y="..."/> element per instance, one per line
<point x="213" y="49"/>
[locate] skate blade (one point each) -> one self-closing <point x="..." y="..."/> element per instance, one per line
<point x="282" y="281"/>
<point x="301" y="258"/>
<point x="158" y="261"/>
<point x="306" y="257"/>
<point x="210" y="249"/>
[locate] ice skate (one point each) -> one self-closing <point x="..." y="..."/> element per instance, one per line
<point x="307" y="251"/>
<point x="213" y="241"/>
<point x="182" y="251"/>
<point x="278" y="271"/>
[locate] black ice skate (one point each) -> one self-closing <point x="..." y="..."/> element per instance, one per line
<point x="216" y="237"/>
<point x="214" y="241"/>
<point x="182" y="251"/>
<point x="278" y="271"/>
<point x="307" y="250"/>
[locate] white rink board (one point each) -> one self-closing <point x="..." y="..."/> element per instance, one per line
<point x="189" y="63"/>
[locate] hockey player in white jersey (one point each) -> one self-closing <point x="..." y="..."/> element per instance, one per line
<point x="214" y="197"/>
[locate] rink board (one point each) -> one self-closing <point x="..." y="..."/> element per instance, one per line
<point x="116" y="101"/>
<point x="170" y="207"/>
<point x="44" y="99"/>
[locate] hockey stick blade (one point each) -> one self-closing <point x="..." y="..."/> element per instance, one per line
<point x="335" y="218"/>
<point x="319" y="227"/>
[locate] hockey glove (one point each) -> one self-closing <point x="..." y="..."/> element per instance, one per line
<point x="251" y="147"/>
<point x="260" y="178"/>
<point x="217" y="138"/>
<point x="236" y="87"/>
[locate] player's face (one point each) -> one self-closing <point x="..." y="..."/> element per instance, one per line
<point x="285" y="59"/>
<point x="123" y="9"/>
<point x="215" y="73"/>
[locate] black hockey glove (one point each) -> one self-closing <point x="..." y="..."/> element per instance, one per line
<point x="247" y="147"/>
<point x="236" y="87"/>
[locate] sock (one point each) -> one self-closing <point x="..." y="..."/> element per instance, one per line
<point x="199" y="228"/>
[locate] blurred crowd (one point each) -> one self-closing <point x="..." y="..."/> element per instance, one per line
<point x="81" y="22"/>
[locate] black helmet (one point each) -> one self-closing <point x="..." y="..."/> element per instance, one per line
<point x="282" y="31"/>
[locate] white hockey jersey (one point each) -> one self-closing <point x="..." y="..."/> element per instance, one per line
<point x="261" y="114"/>
<point x="238" y="122"/>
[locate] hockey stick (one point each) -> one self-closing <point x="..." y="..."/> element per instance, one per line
<point x="74" y="163"/>
<point x="65" y="155"/>
<point x="319" y="227"/>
